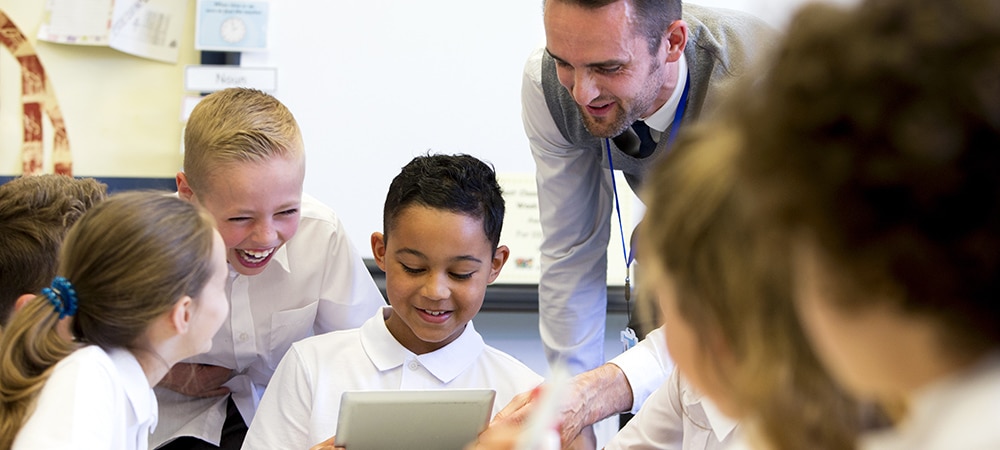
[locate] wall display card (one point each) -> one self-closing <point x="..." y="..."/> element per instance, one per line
<point x="211" y="78"/>
<point x="522" y="230"/>
<point x="231" y="26"/>
<point x="147" y="28"/>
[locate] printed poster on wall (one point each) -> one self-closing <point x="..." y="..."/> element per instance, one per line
<point x="522" y="230"/>
<point x="231" y="26"/>
<point x="147" y="28"/>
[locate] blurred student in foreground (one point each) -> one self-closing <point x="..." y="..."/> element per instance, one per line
<point x="875" y="144"/>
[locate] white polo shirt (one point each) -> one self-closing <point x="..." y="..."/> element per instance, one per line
<point x="676" y="417"/>
<point x="92" y="400"/>
<point x="301" y="406"/>
<point x="961" y="411"/>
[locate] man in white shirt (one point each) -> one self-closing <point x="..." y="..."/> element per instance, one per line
<point x="606" y="65"/>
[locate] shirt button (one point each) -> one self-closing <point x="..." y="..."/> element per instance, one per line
<point x="413" y="365"/>
<point x="244" y="337"/>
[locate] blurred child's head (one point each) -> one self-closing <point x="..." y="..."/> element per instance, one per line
<point x="35" y="214"/>
<point x="875" y="140"/>
<point x="439" y="249"/>
<point x="143" y="271"/>
<point x="724" y="289"/>
<point x="244" y="162"/>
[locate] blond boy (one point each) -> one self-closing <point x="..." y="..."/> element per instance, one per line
<point x="293" y="270"/>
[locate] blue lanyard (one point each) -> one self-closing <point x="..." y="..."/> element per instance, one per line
<point x="628" y="251"/>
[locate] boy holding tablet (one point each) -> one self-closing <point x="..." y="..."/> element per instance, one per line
<point x="439" y="250"/>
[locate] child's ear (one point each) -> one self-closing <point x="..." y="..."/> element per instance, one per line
<point x="23" y="300"/>
<point x="180" y="314"/>
<point x="499" y="259"/>
<point x="183" y="188"/>
<point x="378" y="249"/>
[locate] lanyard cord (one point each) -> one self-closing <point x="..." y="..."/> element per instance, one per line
<point x="627" y="251"/>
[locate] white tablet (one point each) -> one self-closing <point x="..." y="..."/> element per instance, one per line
<point x="413" y="419"/>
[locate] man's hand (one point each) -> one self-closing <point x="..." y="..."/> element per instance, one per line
<point x="197" y="380"/>
<point x="591" y="396"/>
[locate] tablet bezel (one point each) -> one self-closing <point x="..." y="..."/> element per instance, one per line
<point x="427" y="418"/>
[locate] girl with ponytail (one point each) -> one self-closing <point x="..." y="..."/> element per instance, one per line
<point x="140" y="287"/>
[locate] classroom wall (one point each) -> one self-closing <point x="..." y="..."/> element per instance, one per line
<point x="371" y="83"/>
<point x="375" y="83"/>
<point x="122" y="112"/>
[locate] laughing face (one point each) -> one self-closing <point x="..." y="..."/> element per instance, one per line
<point x="256" y="208"/>
<point x="437" y="265"/>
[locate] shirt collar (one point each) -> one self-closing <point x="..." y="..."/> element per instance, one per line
<point x="445" y="363"/>
<point x="944" y="396"/>
<point x="663" y="117"/>
<point x="281" y="257"/>
<point x="140" y="395"/>
<point x="721" y="424"/>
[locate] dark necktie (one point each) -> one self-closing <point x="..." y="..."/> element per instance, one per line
<point x="636" y="140"/>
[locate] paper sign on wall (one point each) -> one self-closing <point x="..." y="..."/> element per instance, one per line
<point x="231" y="26"/>
<point x="522" y="231"/>
<point x="147" y="28"/>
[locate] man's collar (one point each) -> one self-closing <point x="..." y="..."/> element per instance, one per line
<point x="663" y="117"/>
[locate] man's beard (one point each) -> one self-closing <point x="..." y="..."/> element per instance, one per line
<point x="612" y="125"/>
<point x="616" y="123"/>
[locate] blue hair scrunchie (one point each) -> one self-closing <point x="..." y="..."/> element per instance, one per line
<point x="62" y="296"/>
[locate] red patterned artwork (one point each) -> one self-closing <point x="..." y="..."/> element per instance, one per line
<point x="37" y="97"/>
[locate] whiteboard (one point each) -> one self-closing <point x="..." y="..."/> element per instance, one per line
<point x="374" y="83"/>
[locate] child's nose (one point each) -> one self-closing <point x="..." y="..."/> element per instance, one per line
<point x="265" y="233"/>
<point x="436" y="287"/>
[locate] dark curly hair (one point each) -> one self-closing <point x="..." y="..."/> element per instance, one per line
<point x="458" y="183"/>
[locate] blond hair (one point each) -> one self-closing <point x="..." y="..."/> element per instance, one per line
<point x="237" y="125"/>
<point x="733" y="283"/>
<point x="129" y="259"/>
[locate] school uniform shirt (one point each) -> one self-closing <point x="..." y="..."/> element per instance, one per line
<point x="677" y="417"/>
<point x="301" y="407"/>
<point x="93" y="400"/>
<point x="959" y="412"/>
<point x="313" y="284"/>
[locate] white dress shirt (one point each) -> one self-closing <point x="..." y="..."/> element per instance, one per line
<point x="92" y="400"/>
<point x="959" y="412"/>
<point x="676" y="417"/>
<point x="315" y="283"/>
<point x="646" y="366"/>
<point x="302" y="406"/>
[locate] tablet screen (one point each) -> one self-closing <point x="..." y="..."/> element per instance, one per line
<point x="413" y="419"/>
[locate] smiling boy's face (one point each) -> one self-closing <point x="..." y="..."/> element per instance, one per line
<point x="437" y="265"/>
<point x="256" y="206"/>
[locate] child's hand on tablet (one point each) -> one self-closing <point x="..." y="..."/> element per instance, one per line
<point x="326" y="445"/>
